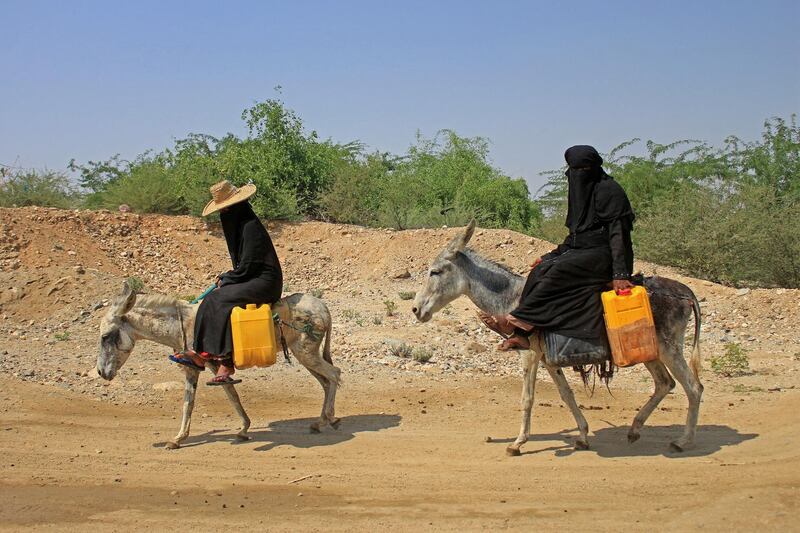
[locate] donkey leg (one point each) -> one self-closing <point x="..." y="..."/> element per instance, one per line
<point x="694" y="390"/>
<point x="569" y="398"/>
<point x="307" y="352"/>
<point x="663" y="384"/>
<point x="189" y="392"/>
<point x="233" y="397"/>
<point x="530" y="364"/>
<point x="317" y="426"/>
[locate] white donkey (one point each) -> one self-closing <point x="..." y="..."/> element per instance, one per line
<point x="495" y="289"/>
<point x="169" y="321"/>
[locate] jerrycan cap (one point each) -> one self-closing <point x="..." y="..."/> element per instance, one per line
<point x="250" y="307"/>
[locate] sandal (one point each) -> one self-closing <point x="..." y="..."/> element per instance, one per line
<point x="223" y="380"/>
<point x="517" y="342"/>
<point x="499" y="324"/>
<point x="177" y="358"/>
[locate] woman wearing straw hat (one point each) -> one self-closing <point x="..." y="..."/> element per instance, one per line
<point x="256" y="278"/>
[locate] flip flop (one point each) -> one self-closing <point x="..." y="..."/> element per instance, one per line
<point x="185" y="362"/>
<point x="492" y="323"/>
<point x="227" y="380"/>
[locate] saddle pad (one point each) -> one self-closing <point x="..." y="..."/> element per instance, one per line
<point x="569" y="351"/>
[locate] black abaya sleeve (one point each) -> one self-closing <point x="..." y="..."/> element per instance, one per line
<point x="558" y="251"/>
<point x="619" y="240"/>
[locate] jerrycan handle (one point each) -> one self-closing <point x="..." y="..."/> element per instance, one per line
<point x="251" y="307"/>
<point x="624" y="292"/>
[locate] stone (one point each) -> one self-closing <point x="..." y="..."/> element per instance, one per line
<point x="401" y="274"/>
<point x="168" y="386"/>
<point x="476" y="347"/>
<point x="742" y="292"/>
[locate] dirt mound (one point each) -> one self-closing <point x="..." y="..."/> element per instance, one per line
<point x="61" y="268"/>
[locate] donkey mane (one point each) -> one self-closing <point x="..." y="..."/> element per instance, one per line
<point x="483" y="261"/>
<point x="153" y="302"/>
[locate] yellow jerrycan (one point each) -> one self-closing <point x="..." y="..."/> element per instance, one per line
<point x="253" y="336"/>
<point x="630" y="326"/>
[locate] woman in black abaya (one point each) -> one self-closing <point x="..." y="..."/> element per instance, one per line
<point x="562" y="292"/>
<point x="256" y="278"/>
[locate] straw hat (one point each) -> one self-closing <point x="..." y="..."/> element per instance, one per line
<point x="224" y="194"/>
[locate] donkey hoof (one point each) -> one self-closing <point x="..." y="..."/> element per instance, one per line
<point x="675" y="446"/>
<point x="581" y="445"/>
<point x="633" y="437"/>
<point x="171" y="445"/>
<point x="242" y="437"/>
<point x="314" y="428"/>
<point x="513" y="452"/>
<point x="335" y="423"/>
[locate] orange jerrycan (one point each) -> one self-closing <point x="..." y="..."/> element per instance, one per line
<point x="253" y="336"/>
<point x="630" y="326"/>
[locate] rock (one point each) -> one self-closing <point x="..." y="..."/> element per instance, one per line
<point x="168" y="385"/>
<point x="476" y="347"/>
<point x="742" y="292"/>
<point x="401" y="274"/>
<point x="79" y="269"/>
<point x="12" y="294"/>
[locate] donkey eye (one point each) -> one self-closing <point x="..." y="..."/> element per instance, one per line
<point x="435" y="272"/>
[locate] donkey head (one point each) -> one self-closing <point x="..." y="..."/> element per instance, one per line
<point x="116" y="335"/>
<point x="445" y="281"/>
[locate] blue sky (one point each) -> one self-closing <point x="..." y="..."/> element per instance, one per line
<point x="90" y="79"/>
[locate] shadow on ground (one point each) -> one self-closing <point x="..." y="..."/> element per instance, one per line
<point x="295" y="432"/>
<point x="613" y="441"/>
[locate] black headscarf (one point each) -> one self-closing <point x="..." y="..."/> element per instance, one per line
<point x="594" y="197"/>
<point x="233" y="220"/>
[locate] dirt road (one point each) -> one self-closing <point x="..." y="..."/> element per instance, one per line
<point x="82" y="454"/>
<point x="410" y="454"/>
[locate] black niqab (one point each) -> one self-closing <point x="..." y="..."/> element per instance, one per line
<point x="233" y="220"/>
<point x="594" y="197"/>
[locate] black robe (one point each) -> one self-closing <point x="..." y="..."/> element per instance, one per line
<point x="562" y="294"/>
<point x="256" y="278"/>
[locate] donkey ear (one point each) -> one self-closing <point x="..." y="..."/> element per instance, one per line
<point x="126" y="301"/>
<point x="459" y="242"/>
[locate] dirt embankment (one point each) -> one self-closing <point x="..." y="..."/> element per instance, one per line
<point x="80" y="452"/>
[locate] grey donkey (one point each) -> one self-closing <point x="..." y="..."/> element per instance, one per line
<point x="495" y="289"/>
<point x="168" y="321"/>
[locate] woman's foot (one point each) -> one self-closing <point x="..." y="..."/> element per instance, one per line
<point x="515" y="342"/>
<point x="189" y="359"/>
<point x="497" y="323"/>
<point x="224" y="376"/>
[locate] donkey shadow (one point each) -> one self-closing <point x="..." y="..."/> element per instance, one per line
<point x="613" y="441"/>
<point x="295" y="432"/>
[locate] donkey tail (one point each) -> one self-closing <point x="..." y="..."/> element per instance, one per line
<point x="695" y="362"/>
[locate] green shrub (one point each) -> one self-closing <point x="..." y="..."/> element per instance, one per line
<point x="406" y="295"/>
<point x="29" y="187"/>
<point x="135" y="284"/>
<point x="422" y="355"/>
<point x="401" y="350"/>
<point x="390" y="306"/>
<point x="148" y="188"/>
<point x="734" y="362"/>
<point x="316" y="293"/>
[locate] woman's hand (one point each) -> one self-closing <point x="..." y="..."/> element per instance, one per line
<point x="536" y="263"/>
<point x="621" y="285"/>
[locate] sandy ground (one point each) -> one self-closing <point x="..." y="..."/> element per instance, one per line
<point x="410" y="454"/>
